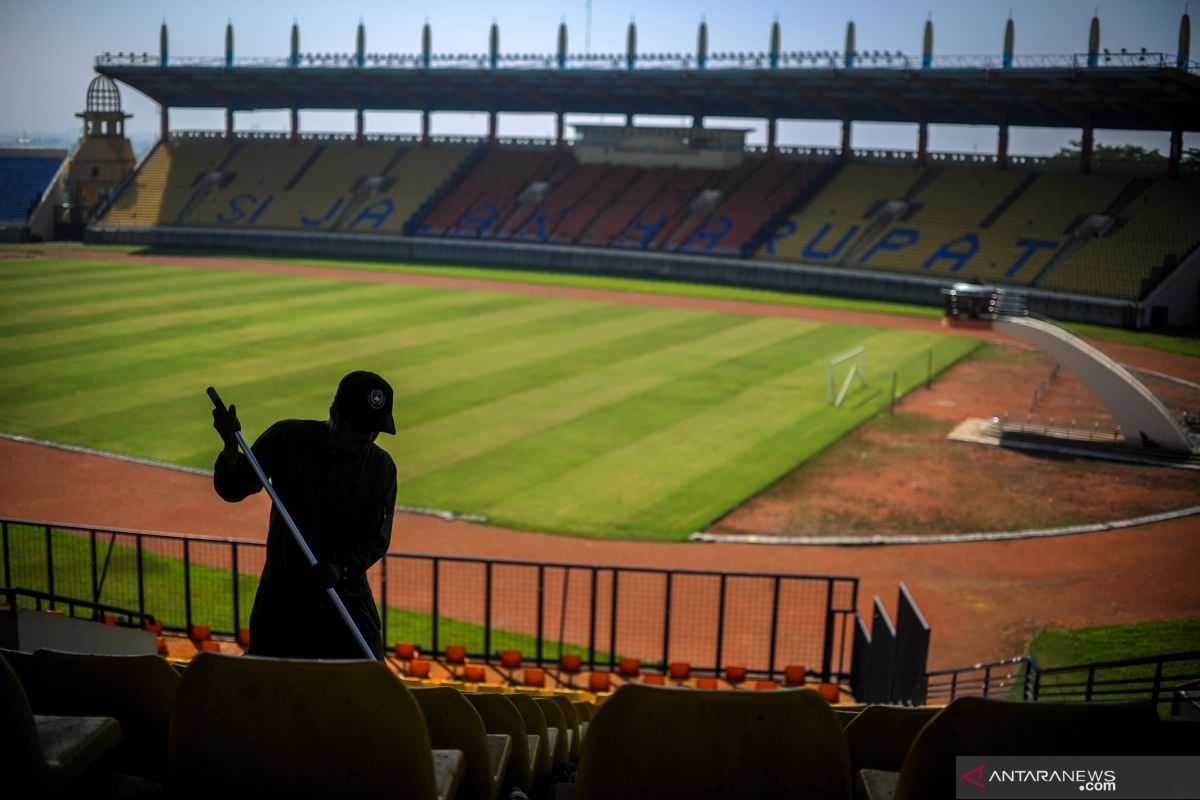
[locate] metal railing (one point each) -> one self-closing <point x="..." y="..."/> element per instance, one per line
<point x="1076" y="430"/>
<point x="1150" y="677"/>
<point x="45" y="601"/>
<point x="543" y="609"/>
<point x="816" y="59"/>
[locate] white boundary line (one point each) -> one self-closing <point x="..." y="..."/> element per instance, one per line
<point x="948" y="538"/>
<point x="448" y="516"/>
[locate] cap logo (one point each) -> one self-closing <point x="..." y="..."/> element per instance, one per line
<point x="375" y="399"/>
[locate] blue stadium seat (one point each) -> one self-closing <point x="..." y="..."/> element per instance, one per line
<point x="22" y="182"/>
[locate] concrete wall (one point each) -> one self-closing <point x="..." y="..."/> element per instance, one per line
<point x="751" y="273"/>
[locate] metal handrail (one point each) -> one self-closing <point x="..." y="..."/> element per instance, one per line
<point x="819" y="60"/>
<point x="601" y="634"/>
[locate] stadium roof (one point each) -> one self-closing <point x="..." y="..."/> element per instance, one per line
<point x="1144" y="91"/>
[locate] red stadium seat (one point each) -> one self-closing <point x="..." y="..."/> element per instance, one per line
<point x="655" y="680"/>
<point x="198" y="633"/>
<point x="766" y="685"/>
<point x="208" y="645"/>
<point x="243" y="637"/>
<point x="829" y="691"/>
<point x="534" y="676"/>
<point x="405" y="651"/>
<point x="629" y="667"/>
<point x="456" y="654"/>
<point x="735" y="673"/>
<point x="419" y="668"/>
<point x="510" y="659"/>
<point x="599" y="681"/>
<point x="679" y="670"/>
<point x="571" y="663"/>
<point x="474" y="673"/>
<point x="707" y="683"/>
<point x="793" y="675"/>
<point x="153" y="626"/>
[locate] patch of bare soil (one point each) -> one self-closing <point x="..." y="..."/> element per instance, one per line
<point x="899" y="474"/>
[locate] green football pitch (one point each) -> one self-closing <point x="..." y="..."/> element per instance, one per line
<point x="591" y="418"/>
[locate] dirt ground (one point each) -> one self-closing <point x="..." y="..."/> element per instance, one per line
<point x="983" y="600"/>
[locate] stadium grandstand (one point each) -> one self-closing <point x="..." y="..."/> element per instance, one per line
<point x="521" y="678"/>
<point x="31" y="189"/>
<point x="1114" y="243"/>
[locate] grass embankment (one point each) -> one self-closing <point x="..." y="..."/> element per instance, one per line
<point x="1066" y="647"/>
<point x="598" y="419"/>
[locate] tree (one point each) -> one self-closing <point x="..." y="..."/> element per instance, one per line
<point x="1107" y="152"/>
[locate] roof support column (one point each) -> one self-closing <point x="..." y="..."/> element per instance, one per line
<point x="922" y="143"/>
<point x="559" y="126"/>
<point x="229" y="124"/>
<point x="772" y="131"/>
<point x="164" y="124"/>
<point x="358" y="126"/>
<point x="1002" y="149"/>
<point x="294" y="136"/>
<point x="1176" y="154"/>
<point x="491" y="135"/>
<point x="846" y="151"/>
<point x="425" y="127"/>
<point x="1085" y="150"/>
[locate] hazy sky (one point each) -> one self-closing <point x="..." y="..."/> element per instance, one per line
<point x="47" y="48"/>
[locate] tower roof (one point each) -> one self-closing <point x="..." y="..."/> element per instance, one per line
<point x="103" y="96"/>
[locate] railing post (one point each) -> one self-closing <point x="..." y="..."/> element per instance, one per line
<point x="987" y="680"/>
<point x="612" y="622"/>
<point x="436" y="564"/>
<point x="141" y="579"/>
<point x="8" y="579"/>
<point x="774" y="630"/>
<point x="187" y="585"/>
<point x="50" y="566"/>
<point x="953" y="685"/>
<point x="720" y="626"/>
<point x="541" y="591"/>
<point x="827" y="648"/>
<point x="95" y="577"/>
<point x="487" y="610"/>
<point x="1158" y="670"/>
<point x="233" y="563"/>
<point x="1091" y="681"/>
<point x="666" y="653"/>
<point x="592" y="624"/>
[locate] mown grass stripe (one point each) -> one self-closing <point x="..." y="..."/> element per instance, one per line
<point x="438" y="444"/>
<point x="108" y="292"/>
<point x="690" y="441"/>
<point x="262" y="327"/>
<point x="120" y="328"/>
<point x="257" y="367"/>
<point x="49" y="273"/>
<point x="154" y="302"/>
<point x="507" y="472"/>
<point x="528" y="365"/>
<point x="750" y="470"/>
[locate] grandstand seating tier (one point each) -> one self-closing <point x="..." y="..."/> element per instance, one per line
<point x="23" y="181"/>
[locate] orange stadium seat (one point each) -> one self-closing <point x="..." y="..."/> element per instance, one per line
<point x="599" y="680"/>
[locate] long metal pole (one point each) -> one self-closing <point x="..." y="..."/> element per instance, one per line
<point x="299" y="537"/>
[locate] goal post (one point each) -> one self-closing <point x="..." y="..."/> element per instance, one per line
<point x="858" y="369"/>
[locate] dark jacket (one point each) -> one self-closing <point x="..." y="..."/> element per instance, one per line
<point x="342" y="503"/>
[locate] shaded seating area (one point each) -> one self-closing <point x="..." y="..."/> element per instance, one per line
<point x="649" y="742"/>
<point x="43" y="755"/>
<point x="310" y="728"/>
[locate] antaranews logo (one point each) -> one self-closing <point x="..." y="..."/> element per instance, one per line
<point x="1050" y="777"/>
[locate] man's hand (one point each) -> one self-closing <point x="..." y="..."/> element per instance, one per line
<point x="227" y="425"/>
<point x="324" y="574"/>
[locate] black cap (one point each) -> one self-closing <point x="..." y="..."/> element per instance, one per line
<point x="365" y="400"/>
